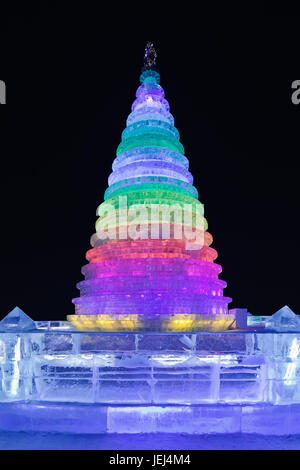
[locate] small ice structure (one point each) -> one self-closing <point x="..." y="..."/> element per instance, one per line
<point x="17" y="320"/>
<point x="284" y="320"/>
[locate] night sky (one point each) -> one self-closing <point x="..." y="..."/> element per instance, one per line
<point x="71" y="78"/>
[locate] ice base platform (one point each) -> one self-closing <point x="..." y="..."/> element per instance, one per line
<point x="54" y="378"/>
<point x="100" y="419"/>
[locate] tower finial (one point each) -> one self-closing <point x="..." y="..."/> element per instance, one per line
<point x="150" y="56"/>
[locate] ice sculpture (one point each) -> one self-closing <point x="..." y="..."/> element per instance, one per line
<point x="17" y="320"/>
<point x="159" y="350"/>
<point x="151" y="265"/>
<point x="284" y="320"/>
<point x="54" y="378"/>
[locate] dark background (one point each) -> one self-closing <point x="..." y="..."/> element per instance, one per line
<point x="71" y="75"/>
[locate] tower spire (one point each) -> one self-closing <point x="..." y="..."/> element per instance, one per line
<point x="150" y="57"/>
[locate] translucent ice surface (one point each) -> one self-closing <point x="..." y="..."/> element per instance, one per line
<point x="284" y="320"/>
<point x="57" y="364"/>
<point x="17" y="320"/>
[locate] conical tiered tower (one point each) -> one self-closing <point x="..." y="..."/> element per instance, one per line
<point x="151" y="265"/>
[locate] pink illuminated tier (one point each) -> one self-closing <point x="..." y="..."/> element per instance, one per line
<point x="151" y="259"/>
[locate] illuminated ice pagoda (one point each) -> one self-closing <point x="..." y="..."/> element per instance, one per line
<point x="152" y="346"/>
<point x="151" y="266"/>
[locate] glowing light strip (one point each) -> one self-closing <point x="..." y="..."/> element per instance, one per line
<point x="150" y="153"/>
<point x="136" y="184"/>
<point x="150" y="140"/>
<point x="180" y="322"/>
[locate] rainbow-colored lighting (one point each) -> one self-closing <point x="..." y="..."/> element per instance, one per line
<point x="142" y="274"/>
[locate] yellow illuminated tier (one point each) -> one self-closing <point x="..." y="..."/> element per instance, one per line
<point x="166" y="323"/>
